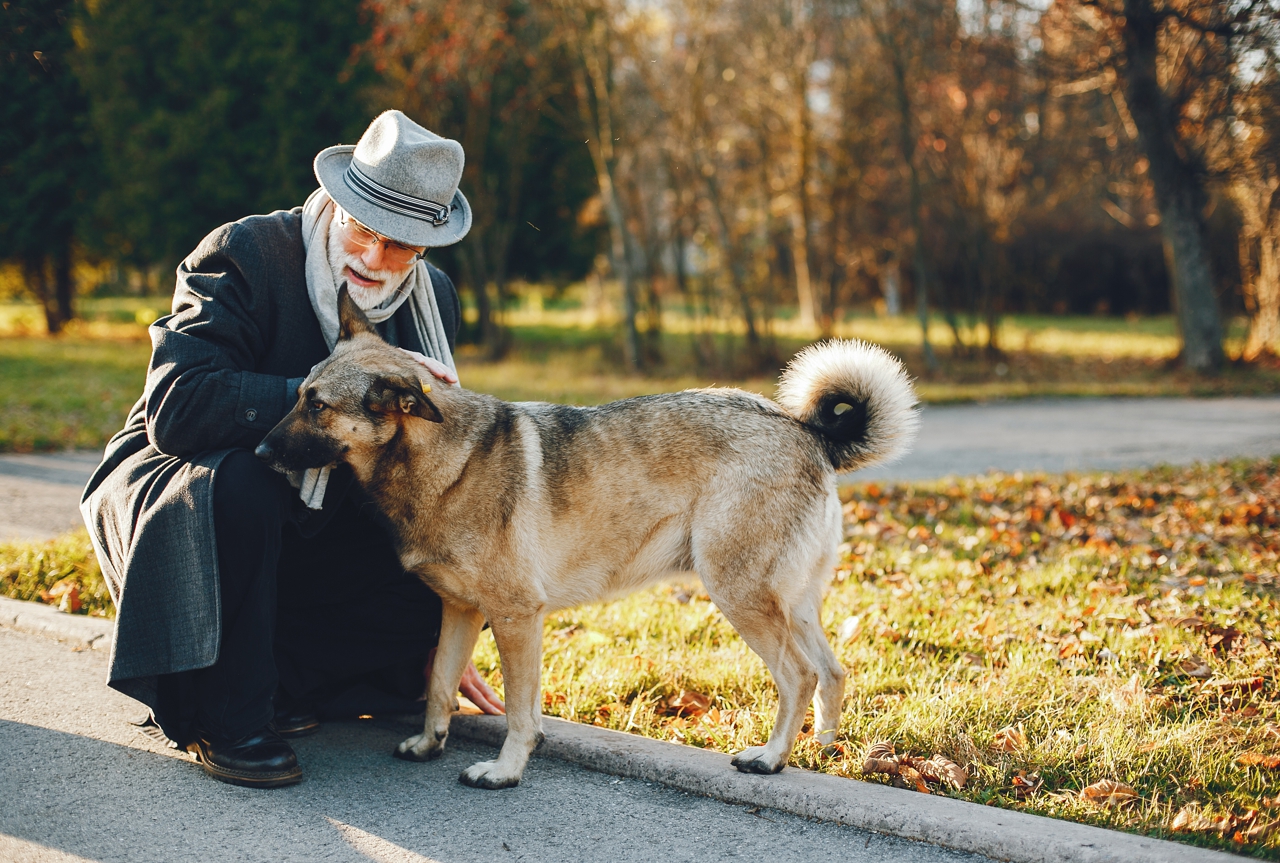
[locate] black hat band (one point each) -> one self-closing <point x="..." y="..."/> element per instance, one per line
<point x="380" y="196"/>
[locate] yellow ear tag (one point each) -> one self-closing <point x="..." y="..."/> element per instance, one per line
<point x="426" y="388"/>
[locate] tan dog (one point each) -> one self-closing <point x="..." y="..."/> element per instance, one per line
<point x="513" y="511"/>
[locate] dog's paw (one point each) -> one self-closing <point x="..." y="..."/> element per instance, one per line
<point x="488" y="775"/>
<point x="755" y="760"/>
<point x="419" y="747"/>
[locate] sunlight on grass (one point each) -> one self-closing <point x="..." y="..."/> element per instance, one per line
<point x="74" y="390"/>
<point x="1122" y="625"/>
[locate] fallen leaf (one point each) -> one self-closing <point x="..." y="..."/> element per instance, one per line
<point x="1190" y="820"/>
<point x="1108" y="792"/>
<point x="1256" y="833"/>
<point x="65" y="594"/>
<point x="688" y="703"/>
<point x="987" y="625"/>
<point x="1195" y="666"/>
<point x="1248" y="684"/>
<point x="1026" y="784"/>
<point x="1009" y="739"/>
<point x="880" y="758"/>
<point x="939" y="768"/>
<point x="1258" y="759"/>
<point x="909" y="777"/>
<point x="1130" y="694"/>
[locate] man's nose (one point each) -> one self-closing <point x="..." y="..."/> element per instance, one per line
<point x="373" y="256"/>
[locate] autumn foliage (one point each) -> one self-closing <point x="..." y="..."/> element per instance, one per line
<point x="1100" y="648"/>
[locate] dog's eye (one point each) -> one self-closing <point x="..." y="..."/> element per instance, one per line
<point x="317" y="406"/>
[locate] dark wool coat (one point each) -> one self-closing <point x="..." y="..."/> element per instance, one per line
<point x="225" y="367"/>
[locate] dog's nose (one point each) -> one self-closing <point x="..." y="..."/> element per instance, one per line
<point x="264" y="451"/>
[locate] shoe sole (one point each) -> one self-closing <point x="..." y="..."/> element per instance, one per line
<point x="248" y="780"/>
<point x="298" y="730"/>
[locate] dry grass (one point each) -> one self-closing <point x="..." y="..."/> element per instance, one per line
<point x="1069" y="630"/>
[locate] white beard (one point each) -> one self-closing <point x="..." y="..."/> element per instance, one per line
<point x="340" y="259"/>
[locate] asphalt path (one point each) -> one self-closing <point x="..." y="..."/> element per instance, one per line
<point x="39" y="494"/>
<point x="1058" y="435"/>
<point x="77" y="782"/>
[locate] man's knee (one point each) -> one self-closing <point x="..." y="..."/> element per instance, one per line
<point x="248" y="495"/>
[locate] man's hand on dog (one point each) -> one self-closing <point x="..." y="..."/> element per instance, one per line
<point x="442" y="372"/>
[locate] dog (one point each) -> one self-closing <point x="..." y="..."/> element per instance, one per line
<point x="511" y="511"/>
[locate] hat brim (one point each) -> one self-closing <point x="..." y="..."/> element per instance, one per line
<point x="330" y="166"/>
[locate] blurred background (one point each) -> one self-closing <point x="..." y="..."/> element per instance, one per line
<point x="1018" y="198"/>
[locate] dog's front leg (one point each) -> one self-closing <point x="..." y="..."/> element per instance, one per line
<point x="519" y="643"/>
<point x="459" y="628"/>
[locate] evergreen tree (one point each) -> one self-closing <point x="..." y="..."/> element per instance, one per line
<point x="210" y="110"/>
<point x="44" y="157"/>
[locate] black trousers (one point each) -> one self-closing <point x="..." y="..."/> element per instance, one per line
<point x="328" y="618"/>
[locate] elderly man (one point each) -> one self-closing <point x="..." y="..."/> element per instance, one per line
<point x="247" y="601"/>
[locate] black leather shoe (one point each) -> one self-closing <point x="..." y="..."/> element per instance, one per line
<point x="259" y="760"/>
<point x="297" y="721"/>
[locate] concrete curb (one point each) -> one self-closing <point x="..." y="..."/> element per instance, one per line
<point x="94" y="633"/>
<point x="998" y="833"/>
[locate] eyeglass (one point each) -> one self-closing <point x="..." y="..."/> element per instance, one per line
<point x="395" y="254"/>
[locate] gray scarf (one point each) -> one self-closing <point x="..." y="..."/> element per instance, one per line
<point x="317" y="214"/>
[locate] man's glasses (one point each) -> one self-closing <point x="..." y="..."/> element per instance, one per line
<point x="397" y="255"/>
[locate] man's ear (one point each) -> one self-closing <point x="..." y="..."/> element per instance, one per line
<point x="401" y="395"/>
<point x="351" y="318"/>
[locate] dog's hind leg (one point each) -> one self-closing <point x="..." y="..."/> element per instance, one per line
<point x="459" y="628"/>
<point x="807" y="627"/>
<point x="519" y="641"/>
<point x="763" y="621"/>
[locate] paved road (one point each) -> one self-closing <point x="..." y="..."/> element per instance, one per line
<point x="78" y="783"/>
<point x="1055" y="435"/>
<point x="39" y="494"/>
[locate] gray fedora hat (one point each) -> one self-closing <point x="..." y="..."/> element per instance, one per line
<point x="400" y="180"/>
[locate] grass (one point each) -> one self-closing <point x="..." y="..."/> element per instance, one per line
<point x="1060" y="630"/>
<point x="1048" y="632"/>
<point x="74" y="390"/>
<point x="61" y="572"/>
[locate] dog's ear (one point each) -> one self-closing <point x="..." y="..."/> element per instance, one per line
<point x="388" y="395"/>
<point x="351" y="318"/>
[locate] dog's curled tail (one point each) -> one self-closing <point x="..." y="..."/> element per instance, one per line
<point x="857" y="396"/>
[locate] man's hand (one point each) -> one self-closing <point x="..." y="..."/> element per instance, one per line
<point x="473" y="687"/>
<point x="438" y="369"/>
<point x="481" y="695"/>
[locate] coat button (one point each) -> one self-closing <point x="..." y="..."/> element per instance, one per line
<point x="250" y="415"/>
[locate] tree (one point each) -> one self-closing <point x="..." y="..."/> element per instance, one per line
<point x="45" y="157"/>
<point x="589" y="28"/>
<point x="1254" y="182"/>
<point x="1174" y="65"/>
<point x="488" y="73"/>
<point x="208" y="111"/>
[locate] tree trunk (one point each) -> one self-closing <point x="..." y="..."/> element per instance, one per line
<point x="1264" y="322"/>
<point x="907" y="146"/>
<point x="63" y="285"/>
<point x="34" y="271"/>
<point x="599" y="125"/>
<point x="1179" y="191"/>
<point x="803" y="143"/>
